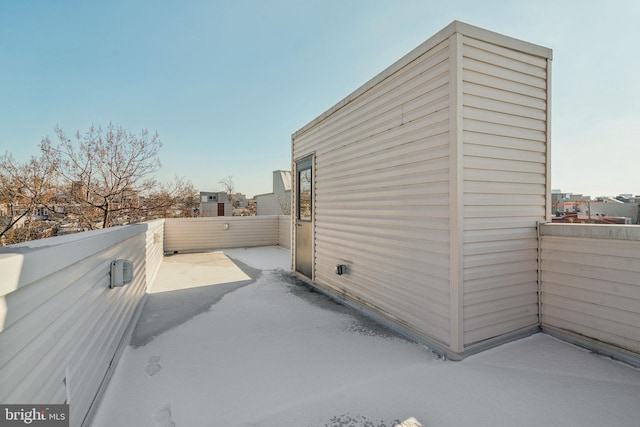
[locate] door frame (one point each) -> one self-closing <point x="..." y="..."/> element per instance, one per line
<point x="304" y="162"/>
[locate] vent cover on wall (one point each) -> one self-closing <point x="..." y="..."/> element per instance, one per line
<point x="121" y="272"/>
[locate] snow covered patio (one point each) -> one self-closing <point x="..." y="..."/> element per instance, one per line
<point x="231" y="338"/>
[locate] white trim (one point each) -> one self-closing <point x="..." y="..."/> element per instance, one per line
<point x="548" y="172"/>
<point x="456" y="192"/>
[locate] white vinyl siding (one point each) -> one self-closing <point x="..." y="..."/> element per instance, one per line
<point x="505" y="184"/>
<point x="591" y="283"/>
<point x="155" y="248"/>
<point x="268" y="204"/>
<point x="381" y="195"/>
<point x="62" y="326"/>
<point x="284" y="231"/>
<point x="429" y="182"/>
<point x="203" y="234"/>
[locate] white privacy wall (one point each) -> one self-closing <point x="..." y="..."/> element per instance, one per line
<point x="61" y="326"/>
<point x="284" y="231"/>
<point x="155" y="249"/>
<point x="268" y="204"/>
<point x="429" y="182"/>
<point x="203" y="234"/>
<point x="591" y="286"/>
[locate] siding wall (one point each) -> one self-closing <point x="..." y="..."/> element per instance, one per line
<point x="284" y="231"/>
<point x="202" y="234"/>
<point x="273" y="203"/>
<point x="505" y="144"/>
<point x="61" y="326"/>
<point x="381" y="195"/>
<point x="155" y="249"/>
<point x="268" y="204"/>
<point x="591" y="286"/>
<point x="279" y="201"/>
<point x="429" y="182"/>
<point x="628" y="210"/>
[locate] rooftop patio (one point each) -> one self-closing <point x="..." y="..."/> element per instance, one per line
<point x="206" y="336"/>
<point x="231" y="338"/>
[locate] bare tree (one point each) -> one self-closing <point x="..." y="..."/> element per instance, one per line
<point x="108" y="171"/>
<point x="24" y="188"/>
<point x="230" y="188"/>
<point x="187" y="197"/>
<point x="96" y="180"/>
<point x="178" y="199"/>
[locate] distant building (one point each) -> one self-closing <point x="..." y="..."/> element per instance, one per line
<point x="215" y="204"/>
<point x="568" y="207"/>
<point x="566" y="202"/>
<point x="40" y="213"/>
<point x="218" y="203"/>
<point x="615" y="207"/>
<point x="277" y="202"/>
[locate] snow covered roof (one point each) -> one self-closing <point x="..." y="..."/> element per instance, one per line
<point x="245" y="343"/>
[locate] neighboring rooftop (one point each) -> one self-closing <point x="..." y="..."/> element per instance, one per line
<point x="242" y="342"/>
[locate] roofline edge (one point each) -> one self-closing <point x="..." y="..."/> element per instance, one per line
<point x="454" y="27"/>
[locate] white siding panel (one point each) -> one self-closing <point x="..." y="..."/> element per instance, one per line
<point x="367" y="106"/>
<point x="503" y="107"/>
<point x="284" y="231"/>
<point x="513" y="154"/>
<point x="506" y="59"/>
<point x="382" y="195"/>
<point x="488" y="114"/>
<point x="484" y="225"/>
<point x="508" y="257"/>
<point x="480" y="79"/>
<point x="500" y="129"/>
<point x="492" y="246"/>
<point x="154" y="249"/>
<point x="505" y="126"/>
<point x="63" y="324"/>
<point x="505" y="239"/>
<point x="584" y="325"/>
<point x="507" y="289"/>
<point x="618" y="323"/>
<point x="514" y="55"/>
<point x="506" y="74"/>
<point x="493" y="140"/>
<point x="503" y="176"/>
<point x="268" y="204"/>
<point x="498" y="164"/>
<point x="591" y="282"/>
<point x="478" y="199"/>
<point x="509" y="321"/>
<point x="203" y="234"/>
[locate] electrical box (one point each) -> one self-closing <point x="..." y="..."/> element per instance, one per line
<point x="121" y="272"/>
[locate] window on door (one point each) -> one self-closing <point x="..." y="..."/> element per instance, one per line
<point x="304" y="194"/>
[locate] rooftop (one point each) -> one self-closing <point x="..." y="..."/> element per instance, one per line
<point x="232" y="338"/>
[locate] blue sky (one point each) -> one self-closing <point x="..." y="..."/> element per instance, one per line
<point x="226" y="83"/>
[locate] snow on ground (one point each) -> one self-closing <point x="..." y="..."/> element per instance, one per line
<point x="274" y="353"/>
<point x="262" y="258"/>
